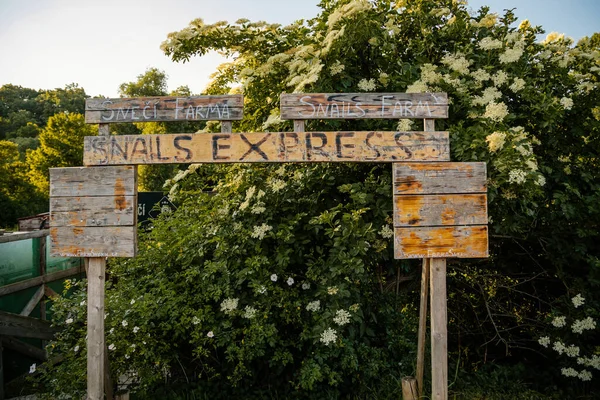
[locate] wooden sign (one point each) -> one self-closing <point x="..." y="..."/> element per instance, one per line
<point x="93" y="212"/>
<point x="440" y="210"/>
<point x="267" y="147"/>
<point x="363" y="105"/>
<point x="146" y="109"/>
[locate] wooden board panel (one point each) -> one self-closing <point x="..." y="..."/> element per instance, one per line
<point x="146" y="109"/>
<point x="83" y="181"/>
<point x="267" y="147"/>
<point x="118" y="241"/>
<point x="441" y="242"/>
<point x="363" y="105"/>
<point x="440" y="178"/>
<point x="440" y="210"/>
<point x="92" y="211"/>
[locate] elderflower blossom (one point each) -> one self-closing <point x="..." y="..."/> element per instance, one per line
<point x="367" y="85"/>
<point x="517" y="85"/>
<point x="517" y="176"/>
<point x="500" y="78"/>
<point x="229" y="304"/>
<point x="336" y="68"/>
<point x="386" y="232"/>
<point x="457" y="62"/>
<point x="585" y="375"/>
<point x="572" y="351"/>
<point x="496" y="111"/>
<point x="259" y="232"/>
<point x="249" y="312"/>
<point x="544" y="341"/>
<point x="313" y="306"/>
<point x="567" y="103"/>
<point x="488" y="96"/>
<point x="531" y="164"/>
<point x="258" y="209"/>
<point x="496" y="141"/>
<point x="428" y="73"/>
<point x="417" y="87"/>
<point x="277" y="185"/>
<point x="404" y="125"/>
<point x="195" y="320"/>
<point x="540" y="180"/>
<point x="480" y="75"/>
<point x="559" y="322"/>
<point x="578" y="300"/>
<point x="332" y="290"/>
<point x="383" y="78"/>
<point x="342" y="317"/>
<point x="559" y="347"/>
<point x="581" y="325"/>
<point x="488" y="43"/>
<point x="570" y="372"/>
<point x="511" y="55"/>
<point x="328" y="336"/>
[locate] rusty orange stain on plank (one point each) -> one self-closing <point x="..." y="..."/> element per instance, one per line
<point x="120" y="201"/>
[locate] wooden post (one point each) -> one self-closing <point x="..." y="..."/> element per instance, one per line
<point x="439" y="330"/>
<point x="422" y="325"/>
<point x="95" y="329"/>
<point x="226" y="126"/>
<point x="409" y="388"/>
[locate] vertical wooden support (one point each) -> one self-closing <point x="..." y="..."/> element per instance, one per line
<point x="95" y="329"/>
<point x="299" y="125"/>
<point x="439" y="330"/>
<point x="42" y="273"/>
<point x="226" y="126"/>
<point x="409" y="388"/>
<point x="422" y="324"/>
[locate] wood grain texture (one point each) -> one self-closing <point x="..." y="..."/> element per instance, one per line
<point x="22" y="326"/>
<point x="85" y="181"/>
<point x="23" y="348"/>
<point x="440" y="210"/>
<point x="95" y="329"/>
<point x="439" y="331"/>
<point x="439" y="178"/>
<point x="363" y="105"/>
<point x="422" y="331"/>
<point x="441" y="242"/>
<point x="35" y="299"/>
<point x="409" y="388"/>
<point x="117" y="241"/>
<point x="38" y="280"/>
<point x="93" y="211"/>
<point x="146" y="109"/>
<point x="267" y="147"/>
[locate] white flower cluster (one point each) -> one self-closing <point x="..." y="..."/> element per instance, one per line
<point x="544" y="341"/>
<point x="496" y="141"/>
<point x="277" y="185"/>
<point x="259" y="232"/>
<point x="581" y="325"/>
<point x="386" y="232"/>
<point x="336" y="68"/>
<point x="517" y="176"/>
<point x="328" y="336"/>
<point x="517" y="85"/>
<point x="195" y="320"/>
<point x="249" y="312"/>
<point x="512" y="55"/>
<point x="567" y="103"/>
<point x="559" y="322"/>
<point x="481" y="75"/>
<point x="306" y="286"/>
<point x="342" y="317"/>
<point x="404" y="125"/>
<point x="488" y="43"/>
<point x="367" y="85"/>
<point x="290" y="281"/>
<point x="229" y="304"/>
<point x="457" y="62"/>
<point x="571" y="372"/>
<point x="496" y="111"/>
<point x="488" y="96"/>
<point x="313" y="306"/>
<point x="578" y="300"/>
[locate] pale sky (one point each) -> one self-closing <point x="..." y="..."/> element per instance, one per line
<point x="99" y="44"/>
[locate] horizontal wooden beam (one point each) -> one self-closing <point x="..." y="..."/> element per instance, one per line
<point x="24" y="348"/>
<point x="49" y="292"/>
<point x="83" y="181"/>
<point x="21" y="326"/>
<point x="354" y="146"/>
<point x="39" y="280"/>
<point x="441" y="242"/>
<point x="146" y="109"/>
<point x="92" y="241"/>
<point x="363" y="105"/>
<point x="440" y="210"/>
<point x="439" y="178"/>
<point x="16" y="236"/>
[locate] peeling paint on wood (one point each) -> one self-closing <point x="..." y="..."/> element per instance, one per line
<point x="267" y="147"/>
<point x="83" y="181"/>
<point x="146" y="109"/>
<point x="440" y="210"/>
<point x="104" y="241"/>
<point x="92" y="211"/>
<point x="440" y="178"/>
<point x="441" y="242"/>
<point x="363" y="105"/>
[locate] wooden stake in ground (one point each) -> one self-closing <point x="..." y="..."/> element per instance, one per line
<point x="95" y="329"/>
<point x="422" y="325"/>
<point x="439" y="330"/>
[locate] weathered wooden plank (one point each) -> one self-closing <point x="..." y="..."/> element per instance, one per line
<point x="84" y="181"/>
<point x="103" y="241"/>
<point x="35" y="299"/>
<point x="422" y="330"/>
<point x="16" y="236"/>
<point x="92" y="211"/>
<point x="440" y="178"/>
<point x="441" y="242"/>
<point x="363" y="105"/>
<point x="23" y="348"/>
<point x="267" y="147"/>
<point x="21" y="326"/>
<point x="146" y="109"/>
<point x="440" y="210"/>
<point x="38" y="280"/>
<point x="95" y="329"/>
<point x="439" y="331"/>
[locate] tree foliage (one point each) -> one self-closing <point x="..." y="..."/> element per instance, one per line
<point x="210" y="291"/>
